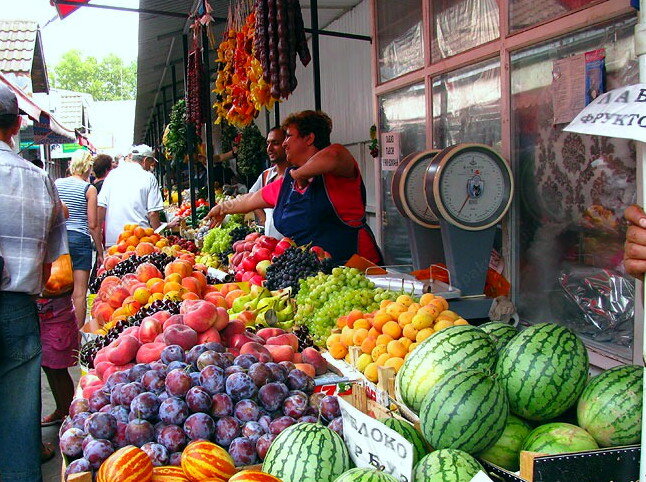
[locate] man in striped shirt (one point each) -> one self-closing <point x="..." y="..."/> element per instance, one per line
<point x="32" y="236"/>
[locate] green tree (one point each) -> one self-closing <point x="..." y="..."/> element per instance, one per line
<point x="108" y="79"/>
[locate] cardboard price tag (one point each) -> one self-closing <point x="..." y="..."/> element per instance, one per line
<point x="372" y="444"/>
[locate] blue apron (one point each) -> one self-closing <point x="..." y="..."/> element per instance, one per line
<point x="310" y="217"/>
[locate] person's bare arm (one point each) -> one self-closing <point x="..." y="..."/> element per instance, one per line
<point x="100" y="215"/>
<point x="334" y="159"/>
<point x="93" y="222"/>
<point x="240" y="205"/>
<point x="635" y="247"/>
<point x="153" y="217"/>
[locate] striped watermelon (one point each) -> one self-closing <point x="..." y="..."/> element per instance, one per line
<point x="446" y="465"/>
<point x="365" y="475"/>
<point x="506" y="451"/>
<point x="543" y="370"/>
<point x="558" y="438"/>
<point x="307" y="451"/>
<point x="610" y="407"/>
<point x="410" y="433"/>
<point x="452" y="349"/>
<point x="500" y="333"/>
<point x="465" y="411"/>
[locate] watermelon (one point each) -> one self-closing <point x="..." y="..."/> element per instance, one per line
<point x="453" y="349"/>
<point x="465" y="411"/>
<point x="446" y="465"/>
<point x="543" y="369"/>
<point x="559" y="438"/>
<point x="410" y="433"/>
<point x="505" y="452"/>
<point x="307" y="451"/>
<point x="610" y="407"/>
<point x="500" y="333"/>
<point x="365" y="475"/>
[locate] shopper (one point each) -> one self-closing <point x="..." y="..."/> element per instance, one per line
<point x="321" y="200"/>
<point x="130" y="195"/>
<point x="83" y="226"/>
<point x="102" y="166"/>
<point x="278" y="159"/>
<point x="32" y="236"/>
<point x="635" y="246"/>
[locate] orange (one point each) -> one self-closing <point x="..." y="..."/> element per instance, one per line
<point x="393" y="329"/>
<point x="396" y="348"/>
<point x="380" y="318"/>
<point x="359" y="335"/>
<point x="338" y="350"/>
<point x="368" y="345"/>
<point x="361" y="323"/>
<point x="395" y="362"/>
<point x="384" y="339"/>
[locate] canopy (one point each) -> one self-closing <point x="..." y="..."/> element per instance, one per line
<point x="47" y="130"/>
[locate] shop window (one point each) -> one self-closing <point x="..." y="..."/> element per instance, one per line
<point x="399" y="37"/>
<point x="526" y="13"/>
<point x="466" y="106"/>
<point x="462" y="24"/>
<point x="402" y="111"/>
<point x="571" y="193"/>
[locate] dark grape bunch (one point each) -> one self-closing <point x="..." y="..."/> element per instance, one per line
<point x="304" y="338"/>
<point x="186" y="244"/>
<point x="90" y="349"/>
<point x="294" y="264"/>
<point x="239" y="233"/>
<point x="129" y="265"/>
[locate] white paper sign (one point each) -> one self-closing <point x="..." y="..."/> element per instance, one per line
<point x="372" y="444"/>
<point x="618" y="113"/>
<point x="481" y="477"/>
<point x="390" y="150"/>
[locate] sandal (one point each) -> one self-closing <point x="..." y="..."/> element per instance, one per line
<point x="47" y="452"/>
<point x="53" y="418"/>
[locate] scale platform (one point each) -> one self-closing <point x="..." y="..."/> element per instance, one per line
<point x="398" y="281"/>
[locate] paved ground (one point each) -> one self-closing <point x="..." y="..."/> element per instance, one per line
<point x="52" y="469"/>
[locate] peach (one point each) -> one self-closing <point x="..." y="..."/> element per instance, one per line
<point x="216" y="298"/>
<point x="102" y="312"/>
<point x="182" y="267"/>
<point x="162" y="316"/>
<point x="192" y="284"/>
<point x="149" y="329"/>
<point x="233" y="328"/>
<point x="87" y="380"/>
<point x="160" y="338"/>
<point x="123" y="350"/>
<point x="117" y="368"/>
<point x="131" y="330"/>
<point x="133" y="287"/>
<point x="139" y="232"/>
<point x="157" y="286"/>
<point x="90" y="390"/>
<point x="146" y="271"/>
<point x="313" y="357"/>
<point x="198" y="314"/>
<point x="173" y="320"/>
<point x="189" y="295"/>
<point x="222" y="320"/>
<point x="212" y="334"/>
<point x="240" y="339"/>
<point x="173" y="286"/>
<point x="142" y="295"/>
<point x="200" y="277"/>
<point x="228" y="287"/>
<point x="101" y="367"/>
<point x="232" y="295"/>
<point x="280" y="353"/>
<point x="267" y="333"/>
<point x="111" y="261"/>
<point x="116" y="297"/>
<point x="109" y="281"/>
<point x="181" y="335"/>
<point x="150" y="352"/>
<point x="298" y="358"/>
<point x="101" y="355"/>
<point x="144" y="248"/>
<point x="306" y="368"/>
<point x="255" y="349"/>
<point x="286" y="339"/>
<point x="152" y="281"/>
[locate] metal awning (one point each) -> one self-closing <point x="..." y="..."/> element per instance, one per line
<point x="160" y="48"/>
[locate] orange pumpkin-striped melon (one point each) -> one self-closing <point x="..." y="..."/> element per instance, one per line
<point x="128" y="464"/>
<point x="169" y="473"/>
<point x="253" y="476"/>
<point x="202" y="459"/>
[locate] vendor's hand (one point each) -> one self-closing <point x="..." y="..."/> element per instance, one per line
<point x="173" y="222"/>
<point x="635" y="247"/>
<point x="215" y="216"/>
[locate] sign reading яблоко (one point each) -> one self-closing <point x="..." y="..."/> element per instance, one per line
<point x="618" y="113"/>
<point x="374" y="445"/>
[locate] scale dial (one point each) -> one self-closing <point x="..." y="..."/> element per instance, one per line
<point x="408" y="189"/>
<point x="469" y="185"/>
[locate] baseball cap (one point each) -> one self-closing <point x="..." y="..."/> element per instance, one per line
<point x="142" y="151"/>
<point x="8" y="101"/>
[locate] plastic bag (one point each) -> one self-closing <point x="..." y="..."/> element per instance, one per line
<point x="61" y="277"/>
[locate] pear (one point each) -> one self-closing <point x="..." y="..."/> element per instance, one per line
<point x="286" y="313"/>
<point x="240" y="302"/>
<point x="266" y="303"/>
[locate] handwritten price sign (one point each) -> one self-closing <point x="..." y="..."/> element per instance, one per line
<point x="390" y="150"/>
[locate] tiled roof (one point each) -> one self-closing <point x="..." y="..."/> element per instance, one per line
<point x="21" y="52"/>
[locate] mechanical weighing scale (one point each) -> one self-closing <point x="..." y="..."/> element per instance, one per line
<point x="453" y="200"/>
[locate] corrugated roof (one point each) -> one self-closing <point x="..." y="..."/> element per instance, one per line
<point x="21" y="52"/>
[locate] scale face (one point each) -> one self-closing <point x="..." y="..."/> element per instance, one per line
<point x="469" y="186"/>
<point x="408" y="189"/>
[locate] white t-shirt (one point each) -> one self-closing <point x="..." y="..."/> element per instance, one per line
<point x="129" y="193"/>
<point x="272" y="174"/>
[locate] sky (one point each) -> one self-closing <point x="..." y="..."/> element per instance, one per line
<point x="95" y="32"/>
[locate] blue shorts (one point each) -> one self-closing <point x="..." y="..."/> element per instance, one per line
<point x="80" y="250"/>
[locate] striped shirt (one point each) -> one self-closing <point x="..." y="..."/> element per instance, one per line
<point x="32" y="230"/>
<point x="72" y="192"/>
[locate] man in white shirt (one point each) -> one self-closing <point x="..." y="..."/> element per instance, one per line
<point x="278" y="159"/>
<point x="130" y="195"/>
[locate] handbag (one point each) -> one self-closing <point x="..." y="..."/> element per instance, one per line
<point x="61" y="278"/>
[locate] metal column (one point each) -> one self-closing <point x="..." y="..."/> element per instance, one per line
<point x="189" y="137"/>
<point x="314" y="13"/>
<point x="208" y="131"/>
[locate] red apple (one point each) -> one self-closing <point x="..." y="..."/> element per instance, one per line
<point x="318" y="251"/>
<point x="199" y="314"/>
<point x="149" y="329"/>
<point x="249" y="263"/>
<point x="257" y="280"/>
<point x="263" y="254"/>
<point x="252" y="236"/>
<point x="236" y="258"/>
<point x="247" y="275"/>
<point x="267" y="242"/>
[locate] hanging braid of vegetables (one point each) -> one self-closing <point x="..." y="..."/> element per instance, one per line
<point x="250" y="155"/>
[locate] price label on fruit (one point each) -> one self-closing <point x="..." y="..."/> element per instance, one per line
<point x="373" y="444"/>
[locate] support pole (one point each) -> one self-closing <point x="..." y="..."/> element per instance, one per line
<point x="208" y="131"/>
<point x="314" y="13"/>
<point x="166" y="167"/>
<point x="176" y="172"/>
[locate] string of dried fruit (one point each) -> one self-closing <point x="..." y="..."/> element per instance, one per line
<point x="194" y="88"/>
<point x="299" y="28"/>
<point x="272" y="33"/>
<point x="261" y="36"/>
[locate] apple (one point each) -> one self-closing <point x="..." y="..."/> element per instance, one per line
<point x="249" y="263"/>
<point x="238" y="276"/>
<point x="267" y="242"/>
<point x="248" y="246"/>
<point x="247" y="275"/>
<point x="199" y="314"/>
<point x="318" y="251"/>
<point x="237" y="258"/>
<point x="257" y="280"/>
<point x="252" y="236"/>
<point x="261" y="267"/>
<point x="262" y="254"/>
<point x="282" y="246"/>
<point x="149" y="329"/>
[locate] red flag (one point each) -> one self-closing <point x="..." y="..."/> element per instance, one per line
<point x="65" y="10"/>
